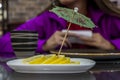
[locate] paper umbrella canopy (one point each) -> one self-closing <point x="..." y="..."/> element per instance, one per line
<point x="78" y="18"/>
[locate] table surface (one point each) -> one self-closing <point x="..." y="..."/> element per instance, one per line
<point x="103" y="70"/>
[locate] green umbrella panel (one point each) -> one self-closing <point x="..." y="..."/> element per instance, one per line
<point x="78" y="18"/>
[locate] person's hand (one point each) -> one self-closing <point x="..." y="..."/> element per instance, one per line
<point x="97" y="41"/>
<point x="55" y="40"/>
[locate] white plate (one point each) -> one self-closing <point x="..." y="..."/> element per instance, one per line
<point x="85" y="64"/>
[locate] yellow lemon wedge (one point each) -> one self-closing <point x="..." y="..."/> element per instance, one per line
<point x="65" y="61"/>
<point x="49" y="59"/>
<point x="27" y="60"/>
<point x="58" y="60"/>
<point x="38" y="60"/>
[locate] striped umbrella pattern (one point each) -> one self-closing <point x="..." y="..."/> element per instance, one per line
<point x="24" y="43"/>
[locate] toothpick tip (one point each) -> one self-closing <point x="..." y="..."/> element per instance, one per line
<point x="76" y="9"/>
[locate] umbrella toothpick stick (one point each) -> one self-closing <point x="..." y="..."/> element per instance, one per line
<point x="75" y="10"/>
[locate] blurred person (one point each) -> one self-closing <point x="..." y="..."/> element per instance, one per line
<point x="49" y="25"/>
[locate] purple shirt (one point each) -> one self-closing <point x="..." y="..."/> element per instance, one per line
<point x="48" y="22"/>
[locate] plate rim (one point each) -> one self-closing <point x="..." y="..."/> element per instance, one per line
<point x="86" y="54"/>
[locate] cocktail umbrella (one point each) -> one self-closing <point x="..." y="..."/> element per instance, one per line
<point x="78" y="18"/>
<point x="73" y="17"/>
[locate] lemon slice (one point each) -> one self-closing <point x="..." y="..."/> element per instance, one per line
<point x="65" y="61"/>
<point x="49" y="59"/>
<point x="59" y="59"/>
<point x="27" y="60"/>
<point x="38" y="60"/>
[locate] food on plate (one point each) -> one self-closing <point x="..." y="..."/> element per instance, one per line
<point x="49" y="59"/>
